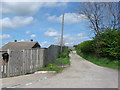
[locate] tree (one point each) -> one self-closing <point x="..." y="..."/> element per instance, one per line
<point x="101" y="15"/>
<point x="109" y="44"/>
<point x="112" y="10"/>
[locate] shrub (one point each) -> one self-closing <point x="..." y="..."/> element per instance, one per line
<point x="109" y="44"/>
<point x="86" y="47"/>
<point x="65" y="53"/>
<point x="106" y="46"/>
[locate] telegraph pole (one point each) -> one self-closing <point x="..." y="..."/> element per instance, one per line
<point x="61" y="43"/>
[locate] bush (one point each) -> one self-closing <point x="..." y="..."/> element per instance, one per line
<point x="86" y="47"/>
<point x="103" y="50"/>
<point x="109" y="44"/>
<point x="64" y="54"/>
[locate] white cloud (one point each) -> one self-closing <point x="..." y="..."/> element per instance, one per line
<point x="82" y="36"/>
<point x="22" y="40"/>
<point x="20" y="8"/>
<point x="54" y="4"/>
<point x="73" y="39"/>
<point x="51" y="32"/>
<point x="25" y="8"/>
<point x="27" y="32"/>
<point x="45" y="43"/>
<point x="15" y="22"/>
<point x="79" y="34"/>
<point x="67" y="40"/>
<point x="69" y="43"/>
<point x="5" y="37"/>
<point x="33" y="36"/>
<point x="69" y="18"/>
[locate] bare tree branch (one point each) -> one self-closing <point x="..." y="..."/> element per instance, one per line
<point x="100" y="15"/>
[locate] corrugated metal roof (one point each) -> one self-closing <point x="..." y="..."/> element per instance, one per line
<point x="19" y="45"/>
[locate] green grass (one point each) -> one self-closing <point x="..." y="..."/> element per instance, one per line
<point x="65" y="53"/>
<point x="52" y="67"/>
<point x="61" y="61"/>
<point x="114" y="64"/>
<point x="58" y="64"/>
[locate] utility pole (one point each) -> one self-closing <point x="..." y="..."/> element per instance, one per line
<point x="61" y="43"/>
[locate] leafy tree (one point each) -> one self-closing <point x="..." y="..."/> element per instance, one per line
<point x="109" y="43"/>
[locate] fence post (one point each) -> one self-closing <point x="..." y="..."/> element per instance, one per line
<point x="23" y="65"/>
<point x="7" y="65"/>
<point x="45" y="57"/>
<point x="37" y="60"/>
<point x="31" y="61"/>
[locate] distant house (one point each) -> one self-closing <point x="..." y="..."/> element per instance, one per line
<point x="20" y="45"/>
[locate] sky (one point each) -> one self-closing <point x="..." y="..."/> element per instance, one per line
<point x="41" y="21"/>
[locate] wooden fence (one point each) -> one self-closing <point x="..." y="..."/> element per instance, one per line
<point x="23" y="62"/>
<point x="28" y="61"/>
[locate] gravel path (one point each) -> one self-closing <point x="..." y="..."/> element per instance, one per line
<point x="81" y="74"/>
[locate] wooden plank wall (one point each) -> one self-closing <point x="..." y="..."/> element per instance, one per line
<point x="23" y="62"/>
<point x="28" y="61"/>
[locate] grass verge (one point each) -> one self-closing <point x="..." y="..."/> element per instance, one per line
<point x="52" y="67"/>
<point x="105" y="62"/>
<point x="59" y="63"/>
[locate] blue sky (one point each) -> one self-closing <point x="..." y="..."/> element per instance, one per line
<point x="41" y="22"/>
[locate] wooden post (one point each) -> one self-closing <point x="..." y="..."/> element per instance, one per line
<point x="23" y="66"/>
<point x="31" y="61"/>
<point x="37" y="61"/>
<point x="61" y="44"/>
<point x="7" y="64"/>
